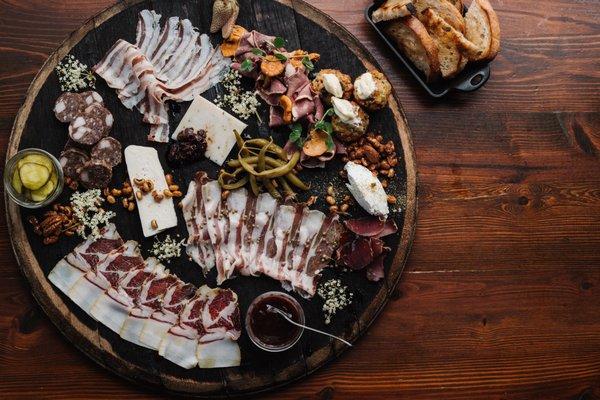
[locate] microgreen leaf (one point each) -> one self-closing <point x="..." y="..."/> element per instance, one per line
<point x="279" y="42"/>
<point x="280" y="57"/>
<point x="329" y="112"/>
<point x="308" y="64"/>
<point x="247" y="65"/>
<point x="296" y="134"/>
<point x="258" y="52"/>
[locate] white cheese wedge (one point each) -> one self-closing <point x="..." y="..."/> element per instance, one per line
<point x="367" y="190"/>
<point x="218" y="124"/>
<point x="143" y="163"/>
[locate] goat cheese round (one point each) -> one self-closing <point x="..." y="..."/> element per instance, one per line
<point x="365" y="86"/>
<point x="346" y="111"/>
<point x="333" y="85"/>
<point x="367" y="190"/>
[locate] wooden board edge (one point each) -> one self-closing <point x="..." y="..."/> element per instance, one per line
<point x="79" y="334"/>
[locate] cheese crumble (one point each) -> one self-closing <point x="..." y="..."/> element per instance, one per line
<point x="73" y="75"/>
<point x="167" y="249"/>
<point x="87" y="208"/>
<point x="336" y="297"/>
<point x="242" y="103"/>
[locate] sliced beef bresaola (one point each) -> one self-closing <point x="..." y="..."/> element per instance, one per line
<point x="362" y="247"/>
<point x="146" y="305"/>
<point x="251" y="236"/>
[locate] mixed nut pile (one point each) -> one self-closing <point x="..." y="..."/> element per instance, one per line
<point x="56" y="222"/>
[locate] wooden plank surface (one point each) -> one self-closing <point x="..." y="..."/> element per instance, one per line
<point x="499" y="299"/>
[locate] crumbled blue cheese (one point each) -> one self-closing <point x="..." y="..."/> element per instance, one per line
<point x="73" y="75"/>
<point x="365" y="86"/>
<point x="336" y="296"/>
<point x="333" y="85"/>
<point x="242" y="103"/>
<point x="87" y="208"/>
<point x="167" y="249"/>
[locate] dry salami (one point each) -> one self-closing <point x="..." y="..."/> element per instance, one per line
<point x="108" y="150"/>
<point x="87" y="129"/>
<point x="72" y="160"/>
<point x="92" y="97"/>
<point x="98" y="110"/>
<point x="95" y="174"/>
<point x="68" y="106"/>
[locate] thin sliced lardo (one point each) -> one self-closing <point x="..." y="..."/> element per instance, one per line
<point x="447" y="43"/>
<point x="444" y="9"/>
<point x="392" y="9"/>
<point x="414" y="41"/>
<point x="483" y="29"/>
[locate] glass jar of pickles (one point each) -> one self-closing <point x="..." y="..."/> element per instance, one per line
<point x="33" y="178"/>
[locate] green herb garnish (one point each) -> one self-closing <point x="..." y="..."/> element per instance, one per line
<point x="279" y="42"/>
<point x="308" y="64"/>
<point x="247" y="66"/>
<point x="296" y="134"/>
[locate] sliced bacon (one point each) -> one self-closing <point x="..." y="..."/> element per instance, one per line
<point x="173" y="63"/>
<point x="256" y="235"/>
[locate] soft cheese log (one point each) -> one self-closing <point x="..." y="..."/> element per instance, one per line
<point x="218" y="125"/>
<point x="143" y="163"/>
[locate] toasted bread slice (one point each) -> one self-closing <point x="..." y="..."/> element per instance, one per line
<point x="391" y="9"/>
<point x="446" y="42"/>
<point x="444" y="9"/>
<point x="413" y="40"/>
<point x="483" y="29"/>
<point x="458" y="4"/>
<point x="474" y="51"/>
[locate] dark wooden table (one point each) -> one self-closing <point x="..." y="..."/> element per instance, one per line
<point x="501" y="295"/>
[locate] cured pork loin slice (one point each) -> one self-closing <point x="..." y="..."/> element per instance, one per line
<point x="256" y="235"/>
<point x="148" y="306"/>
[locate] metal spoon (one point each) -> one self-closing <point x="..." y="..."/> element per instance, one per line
<point x="288" y="318"/>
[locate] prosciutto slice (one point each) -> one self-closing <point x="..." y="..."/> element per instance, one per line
<point x="256" y="235"/>
<point x="174" y="62"/>
<point x="146" y="305"/>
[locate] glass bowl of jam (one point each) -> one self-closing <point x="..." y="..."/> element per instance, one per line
<point x="267" y="329"/>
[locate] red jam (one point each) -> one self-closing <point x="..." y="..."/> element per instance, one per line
<point x="269" y="328"/>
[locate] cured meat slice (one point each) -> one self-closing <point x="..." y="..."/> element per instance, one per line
<point x="99" y="111"/>
<point x="198" y="246"/>
<point x="173" y="63"/>
<point x="85" y="257"/>
<point x="236" y="208"/>
<point x="68" y="106"/>
<point x="256" y="236"/>
<point x="312" y="221"/>
<point x="95" y="174"/>
<point x="92" y="97"/>
<point x="162" y="320"/>
<point x="87" y="129"/>
<point x="269" y="264"/>
<point x="108" y="150"/>
<point x="72" y="160"/>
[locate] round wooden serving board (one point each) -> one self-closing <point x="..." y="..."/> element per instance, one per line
<point x="35" y="126"/>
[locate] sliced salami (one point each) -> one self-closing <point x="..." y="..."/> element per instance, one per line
<point x="68" y="106"/>
<point x="108" y="150"/>
<point x="72" y="160"/>
<point x="92" y="97"/>
<point x="99" y="111"/>
<point x="95" y="174"/>
<point x="87" y="129"/>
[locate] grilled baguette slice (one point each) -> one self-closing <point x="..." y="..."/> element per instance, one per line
<point x="444" y="9"/>
<point x="411" y="37"/>
<point x="391" y="9"/>
<point x="446" y="41"/>
<point x="483" y="29"/>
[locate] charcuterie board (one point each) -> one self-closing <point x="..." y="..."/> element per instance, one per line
<point x="35" y="126"/>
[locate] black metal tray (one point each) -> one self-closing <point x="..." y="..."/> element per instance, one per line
<point x="474" y="76"/>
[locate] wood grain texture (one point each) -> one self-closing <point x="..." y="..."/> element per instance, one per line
<point x="500" y="296"/>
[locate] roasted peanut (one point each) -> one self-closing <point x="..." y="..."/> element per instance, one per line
<point x="344" y="207"/>
<point x="168" y="194"/>
<point x="115" y="192"/>
<point x="391" y="199"/>
<point x="224" y="194"/>
<point x="173" y="188"/>
<point x="131" y="207"/>
<point x="127" y="191"/>
<point x="154" y="224"/>
<point x="111" y="199"/>
<point x="139" y="194"/>
<point x="169" y="179"/>
<point x="330" y="191"/>
<point x="177" y="193"/>
<point x="333" y="209"/>
<point x="330" y="200"/>
<point x="125" y="203"/>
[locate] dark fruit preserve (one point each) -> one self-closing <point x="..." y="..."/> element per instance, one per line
<point x="269" y="328"/>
